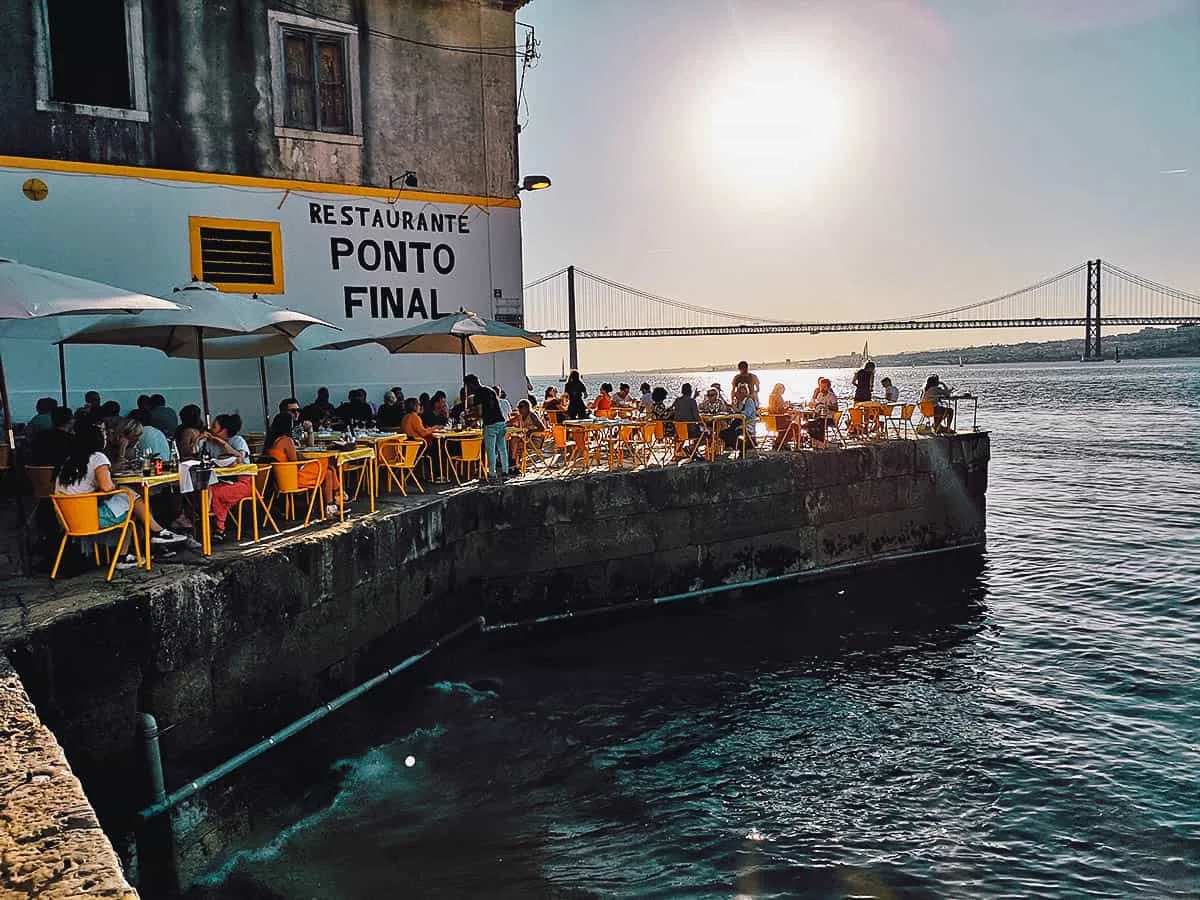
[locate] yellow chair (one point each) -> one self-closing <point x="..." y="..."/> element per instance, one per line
<point x="567" y="449"/>
<point x="901" y="422"/>
<point x="688" y="433"/>
<point x="287" y="484"/>
<point x="400" y="455"/>
<point x="470" y="455"/>
<point x="835" y="425"/>
<point x="260" y="489"/>
<point x="80" y="518"/>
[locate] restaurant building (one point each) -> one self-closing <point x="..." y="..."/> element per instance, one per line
<point x="353" y="159"/>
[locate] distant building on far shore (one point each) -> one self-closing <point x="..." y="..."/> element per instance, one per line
<point x="355" y="160"/>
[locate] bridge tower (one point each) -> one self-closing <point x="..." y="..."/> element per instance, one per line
<point x="1091" y="328"/>
<point x="572" y="329"/>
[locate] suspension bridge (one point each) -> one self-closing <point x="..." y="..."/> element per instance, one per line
<point x="573" y="304"/>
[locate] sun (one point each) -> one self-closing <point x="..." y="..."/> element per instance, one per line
<point x="777" y="120"/>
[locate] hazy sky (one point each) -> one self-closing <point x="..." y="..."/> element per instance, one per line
<point x="847" y="158"/>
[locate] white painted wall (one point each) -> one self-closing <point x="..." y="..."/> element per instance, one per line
<point x="133" y="233"/>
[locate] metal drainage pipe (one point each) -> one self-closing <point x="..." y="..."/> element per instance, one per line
<point x="163" y="803"/>
<point x="805" y="575"/>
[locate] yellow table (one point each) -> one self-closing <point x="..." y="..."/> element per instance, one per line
<point x="339" y="459"/>
<point x="146" y="482"/>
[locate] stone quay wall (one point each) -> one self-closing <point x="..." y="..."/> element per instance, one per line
<point x="51" y="845"/>
<point x="223" y="655"/>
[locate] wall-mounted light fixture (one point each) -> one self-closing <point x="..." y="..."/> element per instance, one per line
<point x="407" y="180"/>
<point x="534" y="183"/>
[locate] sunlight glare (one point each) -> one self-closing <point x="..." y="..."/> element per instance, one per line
<point x="777" y="120"/>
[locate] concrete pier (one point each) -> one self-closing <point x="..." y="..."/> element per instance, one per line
<point x="225" y="653"/>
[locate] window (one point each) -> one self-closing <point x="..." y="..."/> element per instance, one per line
<point x="90" y="58"/>
<point x="314" y="66"/>
<point x="315" y="79"/>
<point x="237" y="255"/>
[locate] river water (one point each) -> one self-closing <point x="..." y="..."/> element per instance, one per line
<point x="1021" y="723"/>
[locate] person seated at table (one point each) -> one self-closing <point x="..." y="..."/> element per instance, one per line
<point x="533" y="431"/>
<point x="506" y="409"/>
<point x="356" y="409"/>
<point x="686" y="412"/>
<point x="824" y="404"/>
<point x="191" y="426"/>
<point x="659" y="411"/>
<point x="281" y="448"/>
<point x="141" y="410"/>
<point x="778" y="407"/>
<point x="122" y="441"/>
<point x="153" y="442"/>
<point x="87" y="470"/>
<point x="320" y="414"/>
<point x="391" y="414"/>
<point x="935" y="392"/>
<point x="603" y="401"/>
<point x="646" y="401"/>
<point x="712" y="404"/>
<point x="225" y="443"/>
<point x="436" y="413"/>
<point x="51" y="446"/>
<point x="744" y="405"/>
<point x="412" y="425"/>
<point x="41" y="422"/>
<point x="891" y="393"/>
<point x="552" y="402"/>
<point x="623" y="398"/>
<point x="162" y="416"/>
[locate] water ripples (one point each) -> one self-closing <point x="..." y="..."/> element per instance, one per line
<point x="1025" y="723"/>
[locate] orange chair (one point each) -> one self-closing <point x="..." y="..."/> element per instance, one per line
<point x="568" y="450"/>
<point x="260" y="489"/>
<point x="80" y="518"/>
<point x="471" y="455"/>
<point x="901" y="422"/>
<point x="604" y="413"/>
<point x="287" y="484"/>
<point x="400" y="455"/>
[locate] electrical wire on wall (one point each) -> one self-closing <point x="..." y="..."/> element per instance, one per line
<point x="506" y="50"/>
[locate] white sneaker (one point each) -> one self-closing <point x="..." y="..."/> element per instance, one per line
<point x="332" y="509"/>
<point x="166" y="537"/>
<point x="128" y="561"/>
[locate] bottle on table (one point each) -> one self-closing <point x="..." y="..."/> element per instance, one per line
<point x="173" y="461"/>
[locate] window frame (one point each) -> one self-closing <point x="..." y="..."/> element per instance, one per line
<point x="135" y="53"/>
<point x="280" y="23"/>
<point x="195" y="223"/>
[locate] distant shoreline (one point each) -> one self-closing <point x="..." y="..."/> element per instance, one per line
<point x="1182" y="342"/>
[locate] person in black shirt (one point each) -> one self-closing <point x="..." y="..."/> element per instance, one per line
<point x="391" y="414"/>
<point x="575" y="390"/>
<point x="356" y="408"/>
<point x="435" y="413"/>
<point x="52" y="445"/>
<point x="864" y="383"/>
<point x="487" y="408"/>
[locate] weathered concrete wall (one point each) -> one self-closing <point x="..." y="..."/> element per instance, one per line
<point x="235" y="650"/>
<point x="51" y="845"/>
<point x="450" y="116"/>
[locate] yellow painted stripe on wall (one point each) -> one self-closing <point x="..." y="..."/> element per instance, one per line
<point x="251" y="181"/>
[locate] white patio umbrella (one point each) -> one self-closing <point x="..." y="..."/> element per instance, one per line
<point x="211" y="315"/>
<point x="252" y="346"/>
<point x="463" y="332"/>
<point x="29" y="294"/>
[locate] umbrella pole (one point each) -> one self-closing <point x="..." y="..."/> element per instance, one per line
<point x="291" y="374"/>
<point x="8" y="422"/>
<point x="262" y="378"/>
<point x="62" y="372"/>
<point x="463" y="340"/>
<point x="203" y="375"/>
